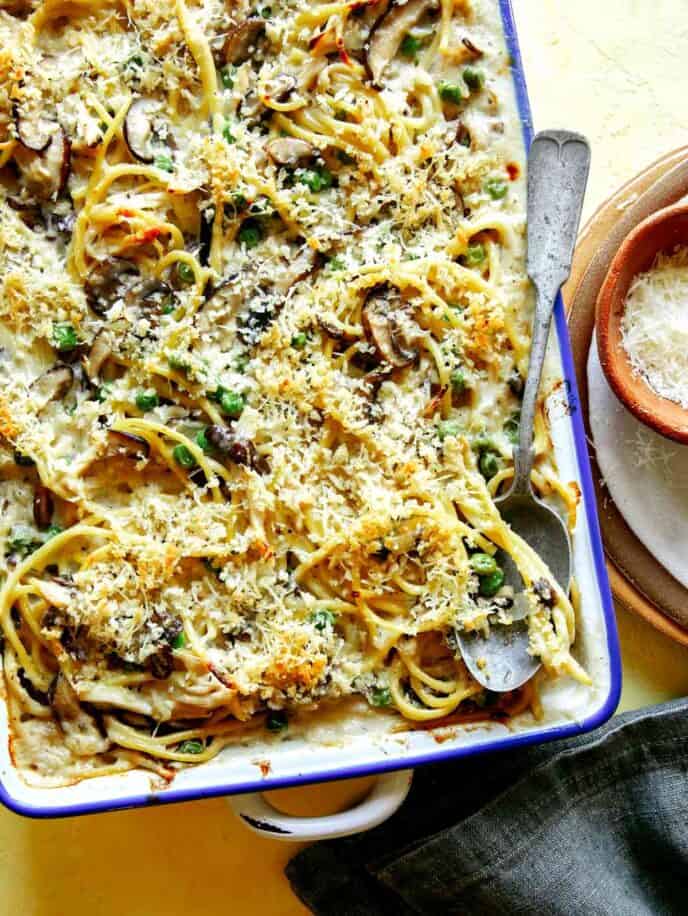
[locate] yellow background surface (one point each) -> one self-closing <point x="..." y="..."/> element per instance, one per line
<point x="612" y="69"/>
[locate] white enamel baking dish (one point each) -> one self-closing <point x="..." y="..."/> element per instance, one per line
<point x="246" y="772"/>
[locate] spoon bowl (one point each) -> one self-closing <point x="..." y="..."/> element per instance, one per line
<point x="499" y="660"/>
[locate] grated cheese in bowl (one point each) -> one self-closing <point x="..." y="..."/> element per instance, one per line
<point x="655" y="326"/>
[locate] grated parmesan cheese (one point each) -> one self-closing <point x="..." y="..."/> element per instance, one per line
<point x="655" y="326"/>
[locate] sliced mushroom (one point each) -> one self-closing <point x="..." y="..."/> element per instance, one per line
<point x="280" y="87"/>
<point x="289" y="151"/>
<point x="150" y="295"/>
<point x="33" y="133"/>
<point x="205" y="236"/>
<point x="301" y="265"/>
<point x="45" y="173"/>
<point x="40" y="696"/>
<point x="388" y="33"/>
<point x="384" y="329"/>
<point x="334" y="330"/>
<point x="242" y="40"/>
<point x="138" y="128"/>
<point x="82" y="735"/>
<point x="474" y="52"/>
<point x="237" y="449"/>
<point x="544" y="592"/>
<point x="100" y="351"/>
<point x="108" y="283"/>
<point x="43" y="506"/>
<point x="463" y="135"/>
<point x="53" y="384"/>
<point x="127" y="445"/>
<point x="161" y="664"/>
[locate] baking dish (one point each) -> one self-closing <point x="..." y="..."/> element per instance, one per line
<point x="365" y="750"/>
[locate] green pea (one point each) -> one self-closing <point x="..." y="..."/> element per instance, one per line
<point x="183" y="456"/>
<point x="147" y="400"/>
<point x="193" y="746"/>
<point x="474" y="79"/>
<point x="450" y="92"/>
<point x="164" y="163"/>
<point x="276" y="721"/>
<point x="496" y="188"/>
<point x="51" y="531"/>
<point x="458" y="381"/>
<point x="448" y="428"/>
<point x="227" y="133"/>
<point x="104" y="391"/>
<point x="250" y="234"/>
<point x="202" y="441"/>
<point x="299" y="340"/>
<point x="335" y="264"/>
<point x="323" y="619"/>
<point x="178" y="362"/>
<point x="22" y="540"/>
<point x="316" y="179"/>
<point x="488" y="464"/>
<point x="475" y="255"/>
<point x="512" y="427"/>
<point x="64" y="337"/>
<point x="410" y="46"/>
<point x="380" y="696"/>
<point x="483" y="564"/>
<point x="239" y="201"/>
<point x="227" y="77"/>
<point x="134" y="62"/>
<point x="490" y="585"/>
<point x="232" y="403"/>
<point x="179" y="640"/>
<point x="185" y="272"/>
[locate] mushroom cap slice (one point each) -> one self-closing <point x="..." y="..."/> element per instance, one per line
<point x="242" y="39"/>
<point x="33" y="133"/>
<point x="388" y="33"/>
<point x="138" y="128"/>
<point x="280" y="87"/>
<point x="127" y="445"/>
<point x="43" y="506"/>
<point x="100" y="351"/>
<point x="381" y="318"/>
<point x="53" y="384"/>
<point x="289" y="150"/>
<point x="108" y="283"/>
<point x="45" y="173"/>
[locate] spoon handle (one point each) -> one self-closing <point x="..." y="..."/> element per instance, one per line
<point x="558" y="167"/>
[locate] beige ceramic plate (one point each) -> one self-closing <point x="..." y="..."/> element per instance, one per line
<point x="639" y="582"/>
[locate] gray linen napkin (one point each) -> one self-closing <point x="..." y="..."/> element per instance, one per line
<point x="591" y="825"/>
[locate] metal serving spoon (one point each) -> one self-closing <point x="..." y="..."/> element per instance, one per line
<point x="558" y="167"/>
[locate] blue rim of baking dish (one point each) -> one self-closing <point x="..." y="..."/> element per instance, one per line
<point x="169" y="796"/>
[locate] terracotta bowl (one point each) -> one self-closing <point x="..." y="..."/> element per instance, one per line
<point x="661" y="232"/>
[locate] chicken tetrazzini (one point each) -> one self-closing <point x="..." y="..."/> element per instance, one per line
<point x="264" y="324"/>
